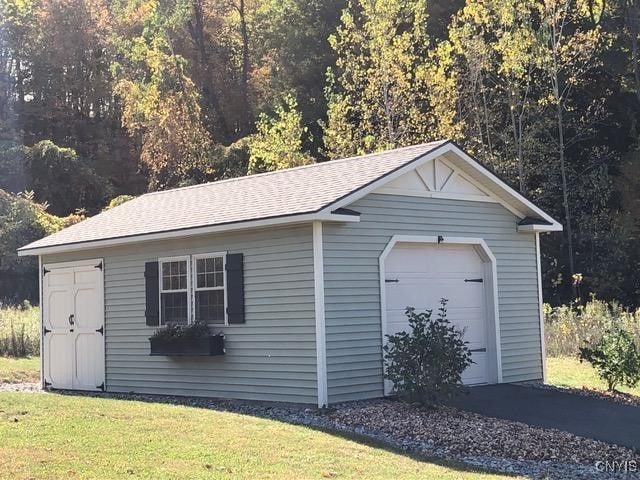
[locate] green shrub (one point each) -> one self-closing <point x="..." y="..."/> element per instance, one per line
<point x="426" y="363"/>
<point x="568" y="327"/>
<point x="19" y="330"/>
<point x="615" y="357"/>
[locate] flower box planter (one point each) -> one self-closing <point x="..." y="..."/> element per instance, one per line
<point x="206" y="346"/>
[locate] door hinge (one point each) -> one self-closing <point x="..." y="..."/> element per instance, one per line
<point x="98" y="266"/>
<point x="101" y="387"/>
<point x="475" y="280"/>
<point x="45" y="271"/>
<point x="391" y="280"/>
<point x="46" y="330"/>
<point x="100" y="330"/>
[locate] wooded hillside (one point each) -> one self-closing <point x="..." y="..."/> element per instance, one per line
<point x="105" y="98"/>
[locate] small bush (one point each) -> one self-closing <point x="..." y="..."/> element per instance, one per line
<point x="426" y="364"/>
<point x="615" y="357"/>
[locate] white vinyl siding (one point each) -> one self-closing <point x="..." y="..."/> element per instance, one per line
<point x="352" y="284"/>
<point x="270" y="357"/>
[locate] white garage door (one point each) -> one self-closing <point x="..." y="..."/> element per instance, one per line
<point x="419" y="275"/>
<point x="73" y="326"/>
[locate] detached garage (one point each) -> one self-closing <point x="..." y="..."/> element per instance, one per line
<point x="304" y="271"/>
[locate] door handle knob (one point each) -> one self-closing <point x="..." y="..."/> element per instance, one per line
<point x="71" y="319"/>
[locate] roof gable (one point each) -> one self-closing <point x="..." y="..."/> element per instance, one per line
<point x="480" y="184"/>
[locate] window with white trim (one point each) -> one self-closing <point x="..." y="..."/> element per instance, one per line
<point x="192" y="289"/>
<point x="174" y="290"/>
<point x="209" y="289"/>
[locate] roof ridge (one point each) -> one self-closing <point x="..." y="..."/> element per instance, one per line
<point x="301" y="167"/>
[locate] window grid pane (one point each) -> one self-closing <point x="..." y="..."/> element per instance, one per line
<point x="174" y="308"/>
<point x="210" y="306"/>
<point x="210" y="272"/>
<point x="174" y="275"/>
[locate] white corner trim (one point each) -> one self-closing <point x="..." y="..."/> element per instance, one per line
<point x="189" y="232"/>
<point x="492" y="292"/>
<point x="543" y="348"/>
<point x="41" y="315"/>
<point x="321" y="339"/>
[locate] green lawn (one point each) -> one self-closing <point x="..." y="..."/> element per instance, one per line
<point x="569" y="372"/>
<point x="17" y="370"/>
<point x="58" y="436"/>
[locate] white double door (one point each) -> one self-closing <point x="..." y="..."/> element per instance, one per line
<point x="73" y="325"/>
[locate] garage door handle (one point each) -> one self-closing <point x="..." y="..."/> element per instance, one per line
<point x="475" y="280"/>
<point x="478" y="350"/>
<point x="391" y="280"/>
<point x="71" y="317"/>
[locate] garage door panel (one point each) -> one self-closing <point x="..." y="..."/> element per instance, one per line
<point x="477" y="372"/>
<point x="427" y="293"/>
<point x="421" y="275"/>
<point x="436" y="258"/>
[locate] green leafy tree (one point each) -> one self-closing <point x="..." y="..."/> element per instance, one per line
<point x="278" y="142"/>
<point x="22" y="220"/>
<point x="55" y="175"/>
<point x="615" y="357"/>
<point x="377" y="93"/>
<point x="487" y="66"/>
<point x="161" y="102"/>
<point x="119" y="200"/>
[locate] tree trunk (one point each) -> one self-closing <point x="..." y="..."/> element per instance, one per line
<point x="196" y="31"/>
<point x="516" y="128"/>
<point x="565" y="192"/>
<point x="633" y="13"/>
<point x="244" y="86"/>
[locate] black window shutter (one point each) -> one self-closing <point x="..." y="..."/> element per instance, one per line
<point x="152" y="293"/>
<point x="235" y="288"/>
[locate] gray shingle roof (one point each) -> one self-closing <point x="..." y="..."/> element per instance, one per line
<point x="288" y="192"/>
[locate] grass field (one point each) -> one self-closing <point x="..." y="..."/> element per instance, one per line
<point x="58" y="436"/>
<point x="569" y="372"/>
<point x="18" y="370"/>
<point x="19" y="330"/>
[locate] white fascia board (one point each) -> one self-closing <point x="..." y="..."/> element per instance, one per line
<point x="112" y="242"/>
<point x="540" y="228"/>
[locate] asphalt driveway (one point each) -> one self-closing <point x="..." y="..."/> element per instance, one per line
<point x="585" y="416"/>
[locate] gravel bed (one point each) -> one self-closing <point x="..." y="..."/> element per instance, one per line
<point x="444" y="433"/>
<point x="20" y="387"/>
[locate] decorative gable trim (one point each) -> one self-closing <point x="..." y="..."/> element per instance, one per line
<point x="437" y="178"/>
